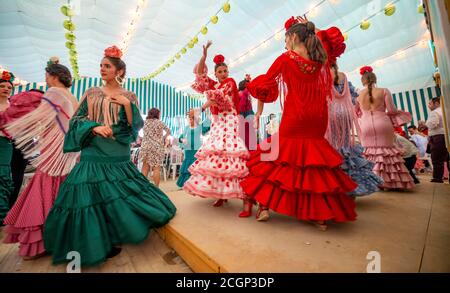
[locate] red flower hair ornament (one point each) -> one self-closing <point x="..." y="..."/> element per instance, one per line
<point x="113" y="52"/>
<point x="8" y="76"/>
<point x="219" y="59"/>
<point x="365" y="69"/>
<point x="290" y="22"/>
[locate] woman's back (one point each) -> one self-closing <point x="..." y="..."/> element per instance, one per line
<point x="377" y="103"/>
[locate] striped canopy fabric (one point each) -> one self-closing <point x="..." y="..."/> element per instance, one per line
<point x="173" y="104"/>
<point x="416" y="102"/>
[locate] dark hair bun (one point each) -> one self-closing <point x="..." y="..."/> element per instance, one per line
<point x="61" y="72"/>
<point x="311" y="27"/>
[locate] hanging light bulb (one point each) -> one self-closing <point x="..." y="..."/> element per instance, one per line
<point x="278" y="36"/>
<point x="379" y="63"/>
<point x="400" y="54"/>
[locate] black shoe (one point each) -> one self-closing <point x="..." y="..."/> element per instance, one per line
<point x="114" y="252"/>
<point x="416" y="181"/>
<point x="437" y="181"/>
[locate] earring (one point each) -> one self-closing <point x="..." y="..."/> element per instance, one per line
<point x="119" y="80"/>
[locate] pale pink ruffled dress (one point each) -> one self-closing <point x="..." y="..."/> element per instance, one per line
<point x="377" y="138"/>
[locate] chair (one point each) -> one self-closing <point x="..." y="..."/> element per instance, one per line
<point x="165" y="164"/>
<point x="176" y="159"/>
<point x="135" y="157"/>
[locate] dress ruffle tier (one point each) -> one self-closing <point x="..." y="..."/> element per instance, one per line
<point x="304" y="181"/>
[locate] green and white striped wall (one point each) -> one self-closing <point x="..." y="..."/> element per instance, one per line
<point x="416" y="102"/>
<point x="150" y="94"/>
<point x="173" y="104"/>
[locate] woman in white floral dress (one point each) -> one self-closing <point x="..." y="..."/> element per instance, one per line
<point x="152" y="148"/>
<point x="221" y="161"/>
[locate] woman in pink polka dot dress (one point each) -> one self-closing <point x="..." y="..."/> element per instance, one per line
<point x="221" y="161"/>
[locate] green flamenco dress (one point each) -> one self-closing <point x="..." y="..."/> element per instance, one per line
<point x="105" y="200"/>
<point x="193" y="144"/>
<point x="6" y="183"/>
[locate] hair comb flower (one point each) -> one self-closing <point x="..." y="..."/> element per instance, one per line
<point x="219" y="59"/>
<point x="291" y="21"/>
<point x="8" y="76"/>
<point x="365" y="69"/>
<point x="113" y="52"/>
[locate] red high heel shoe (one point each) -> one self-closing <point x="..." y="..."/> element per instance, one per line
<point x="219" y="202"/>
<point x="247" y="210"/>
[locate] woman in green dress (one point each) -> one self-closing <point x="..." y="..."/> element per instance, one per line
<point x="191" y="142"/>
<point x="105" y="201"/>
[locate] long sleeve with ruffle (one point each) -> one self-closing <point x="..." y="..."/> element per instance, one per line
<point x="202" y="81"/>
<point x="124" y="132"/>
<point x="225" y="97"/>
<point x="53" y="117"/>
<point x="266" y="86"/>
<point x="398" y="117"/>
<point x="20" y="105"/>
<point x="80" y="130"/>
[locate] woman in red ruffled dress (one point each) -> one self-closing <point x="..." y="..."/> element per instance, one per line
<point x="221" y="161"/>
<point x="297" y="172"/>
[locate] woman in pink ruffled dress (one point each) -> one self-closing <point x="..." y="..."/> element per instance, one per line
<point x="377" y="132"/>
<point x="221" y="161"/>
<point x="25" y="221"/>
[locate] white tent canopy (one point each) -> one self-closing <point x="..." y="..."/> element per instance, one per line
<point x="32" y="31"/>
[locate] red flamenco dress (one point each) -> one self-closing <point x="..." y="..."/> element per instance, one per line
<point x="297" y="172"/>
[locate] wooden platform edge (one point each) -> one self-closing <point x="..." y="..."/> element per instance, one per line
<point x="197" y="260"/>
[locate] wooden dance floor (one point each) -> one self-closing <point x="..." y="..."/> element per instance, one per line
<point x="410" y="231"/>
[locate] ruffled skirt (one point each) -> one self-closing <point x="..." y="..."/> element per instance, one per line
<point x="25" y="221"/>
<point x="360" y="170"/>
<point x="302" y="178"/>
<point x="221" y="161"/>
<point x="390" y="167"/>
<point x="103" y="203"/>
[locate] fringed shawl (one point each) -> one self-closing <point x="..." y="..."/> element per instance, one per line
<point x="42" y="132"/>
<point x="100" y="107"/>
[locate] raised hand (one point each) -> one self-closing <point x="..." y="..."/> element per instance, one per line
<point x="206" y="47"/>
<point x="302" y="19"/>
